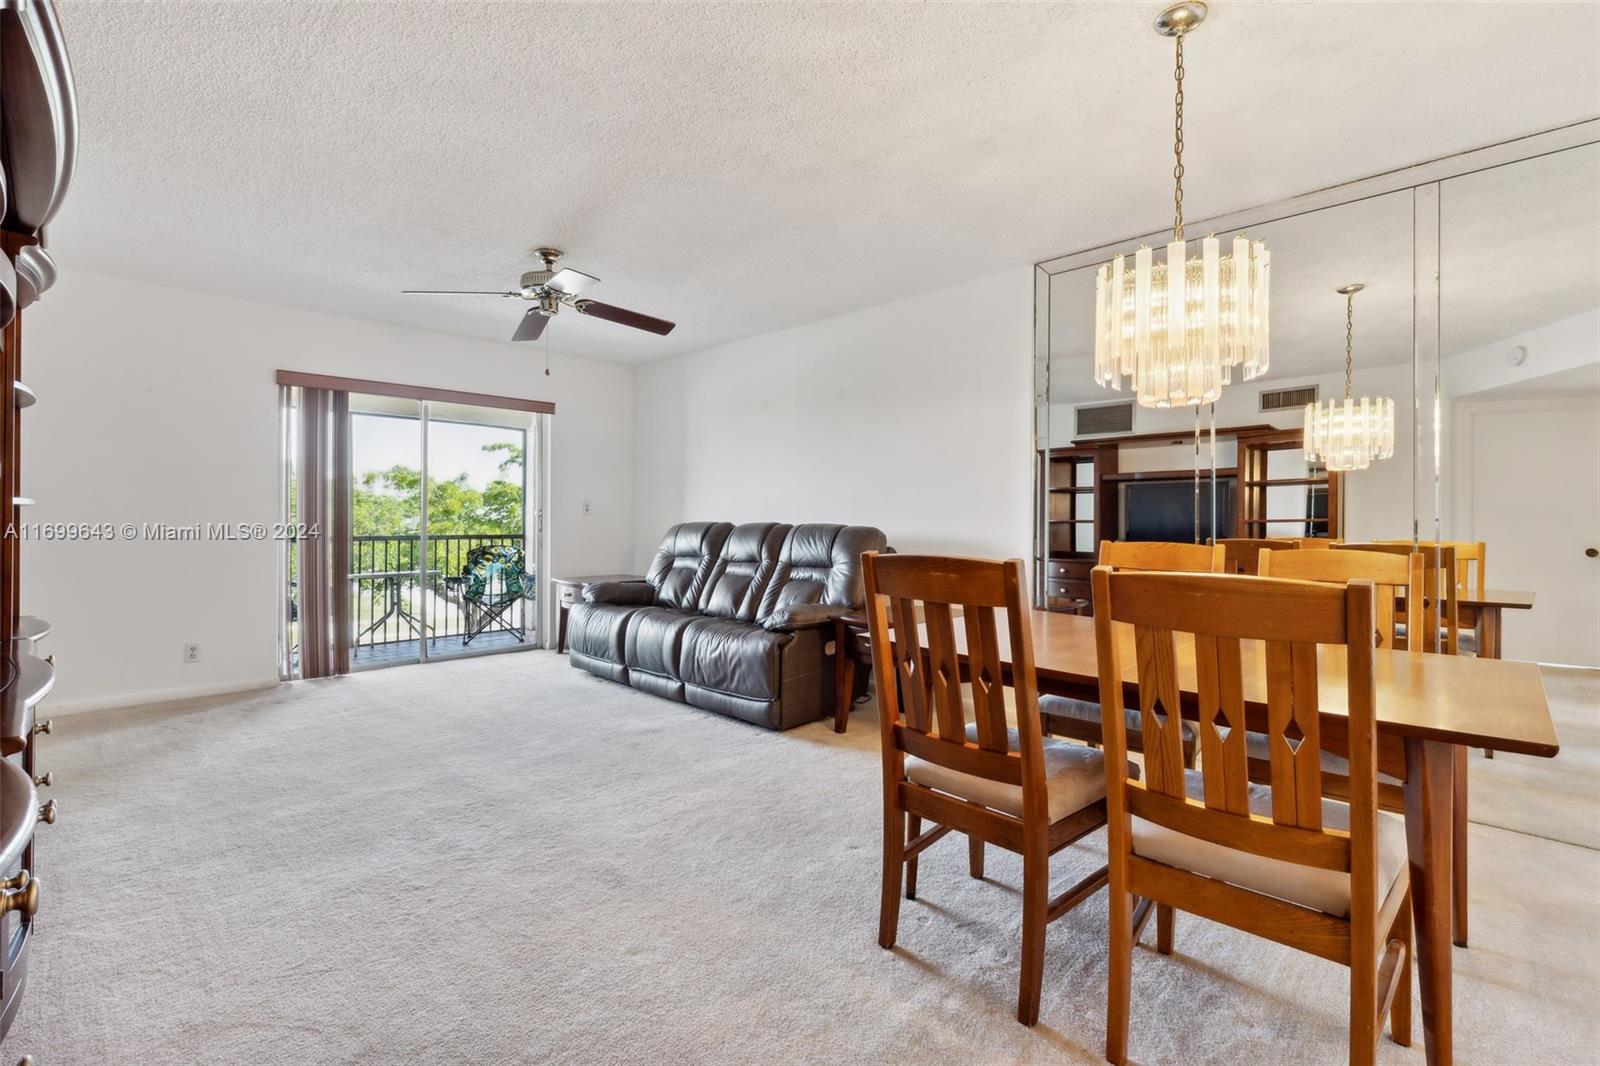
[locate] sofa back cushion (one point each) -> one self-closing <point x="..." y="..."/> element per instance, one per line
<point x="821" y="563"/>
<point x="683" y="562"/>
<point x="743" y="571"/>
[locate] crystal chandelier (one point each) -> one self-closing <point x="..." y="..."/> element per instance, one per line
<point x="1349" y="435"/>
<point x="1184" y="358"/>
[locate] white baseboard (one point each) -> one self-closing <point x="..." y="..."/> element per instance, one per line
<point x="52" y="708"/>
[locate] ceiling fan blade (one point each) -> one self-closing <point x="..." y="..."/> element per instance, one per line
<point x="454" y="292"/>
<point x="531" y="326"/>
<point x="623" y="317"/>
<point x="570" y="281"/>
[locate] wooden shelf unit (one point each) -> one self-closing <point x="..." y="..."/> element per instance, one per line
<point x="1254" y="518"/>
<point x="1079" y="487"/>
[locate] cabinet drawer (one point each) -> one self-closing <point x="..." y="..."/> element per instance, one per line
<point x="570" y="594"/>
<point x="1073" y="569"/>
<point x="1073" y="587"/>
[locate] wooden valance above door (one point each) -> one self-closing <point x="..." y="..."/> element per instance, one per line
<point x="333" y="383"/>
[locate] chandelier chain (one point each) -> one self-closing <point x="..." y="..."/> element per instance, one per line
<point x="1349" y="338"/>
<point x="1177" y="144"/>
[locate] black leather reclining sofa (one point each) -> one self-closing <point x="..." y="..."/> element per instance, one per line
<point x="733" y="619"/>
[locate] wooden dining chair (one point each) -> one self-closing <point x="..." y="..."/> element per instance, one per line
<point x="1314" y="542"/>
<point x="951" y="757"/>
<point x="1163" y="555"/>
<point x="1470" y="562"/>
<point x="1395" y="576"/>
<point x="1440" y="624"/>
<point x="1440" y="631"/>
<point x="1240" y="554"/>
<point x="1080" y="719"/>
<point x="1279" y="861"/>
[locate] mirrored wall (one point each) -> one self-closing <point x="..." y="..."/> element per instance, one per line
<point x="1478" y="316"/>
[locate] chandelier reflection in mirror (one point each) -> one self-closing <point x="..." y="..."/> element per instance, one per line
<point x="1179" y="328"/>
<point x="1349" y="435"/>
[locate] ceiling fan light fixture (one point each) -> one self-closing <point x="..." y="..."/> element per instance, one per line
<point x="1179" y="328"/>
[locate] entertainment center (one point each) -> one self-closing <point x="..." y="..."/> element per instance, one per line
<point x="1141" y="487"/>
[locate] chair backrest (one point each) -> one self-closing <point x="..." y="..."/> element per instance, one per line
<point x="1239" y="554"/>
<point x="1162" y="555"/>
<point x="923" y="710"/>
<point x="820" y="563"/>
<point x="742" y="571"/>
<point x="1314" y="542"/>
<point x="494" y="573"/>
<point x="1470" y="561"/>
<point x="1440" y="623"/>
<point x="1393" y="575"/>
<point x="684" y="561"/>
<point x="1227" y="614"/>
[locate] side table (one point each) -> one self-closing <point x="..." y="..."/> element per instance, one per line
<point x="568" y="591"/>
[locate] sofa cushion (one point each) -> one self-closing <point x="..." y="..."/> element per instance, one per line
<point x="1074" y="777"/>
<point x="597" y="629"/>
<point x="821" y="563"/>
<point x="742" y="571"/>
<point x="1310" y="886"/>
<point x="654" y="640"/>
<point x="738" y="658"/>
<point x="684" y="561"/>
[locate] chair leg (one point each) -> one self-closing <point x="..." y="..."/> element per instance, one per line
<point x="913" y="827"/>
<point x="1363" y="1000"/>
<point x="1165" y="920"/>
<point x="975" y="856"/>
<point x="1035" y="907"/>
<point x="1400" y="1009"/>
<point x="1119" y="982"/>
<point x="894" y="865"/>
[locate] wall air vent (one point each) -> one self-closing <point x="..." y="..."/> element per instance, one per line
<point x="1288" y="399"/>
<point x="1104" y="419"/>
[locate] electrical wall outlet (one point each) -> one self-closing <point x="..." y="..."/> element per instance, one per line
<point x="191" y="653"/>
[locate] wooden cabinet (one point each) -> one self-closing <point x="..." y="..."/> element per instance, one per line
<point x="1078" y="498"/>
<point x="38" y="143"/>
<point x="1077" y="507"/>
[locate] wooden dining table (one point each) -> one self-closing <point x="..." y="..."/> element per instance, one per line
<point x="1428" y="707"/>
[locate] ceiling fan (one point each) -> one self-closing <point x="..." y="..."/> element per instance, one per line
<point x="549" y="289"/>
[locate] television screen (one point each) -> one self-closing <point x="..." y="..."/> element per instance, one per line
<point x="1164" y="510"/>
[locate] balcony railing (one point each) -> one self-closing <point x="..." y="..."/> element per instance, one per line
<point x="393" y="602"/>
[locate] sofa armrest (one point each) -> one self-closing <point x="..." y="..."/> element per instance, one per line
<point x="626" y="592"/>
<point x="801" y="616"/>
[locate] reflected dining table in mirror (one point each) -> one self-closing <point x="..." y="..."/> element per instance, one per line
<point x="1428" y="707"/>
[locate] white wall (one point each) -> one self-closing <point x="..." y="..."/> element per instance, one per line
<point x="159" y="405"/>
<point x="914" y="416"/>
<point x="1378" y="499"/>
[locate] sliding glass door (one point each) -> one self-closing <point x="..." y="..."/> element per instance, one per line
<point x="441" y="505"/>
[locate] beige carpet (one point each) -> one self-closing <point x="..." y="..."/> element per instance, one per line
<point x="505" y="861"/>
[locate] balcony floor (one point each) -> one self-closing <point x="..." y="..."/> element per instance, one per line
<point x="370" y="656"/>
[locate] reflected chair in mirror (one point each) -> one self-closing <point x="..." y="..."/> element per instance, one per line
<point x="1313" y="543"/>
<point x="951" y="757"/>
<point x="1440" y="630"/>
<point x="1470" y="563"/>
<point x="1080" y="719"/>
<point x="1279" y="860"/>
<point x="1239" y="554"/>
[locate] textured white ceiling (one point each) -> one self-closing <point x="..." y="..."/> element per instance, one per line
<point x="740" y="167"/>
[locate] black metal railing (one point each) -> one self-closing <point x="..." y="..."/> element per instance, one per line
<point x="394" y="599"/>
